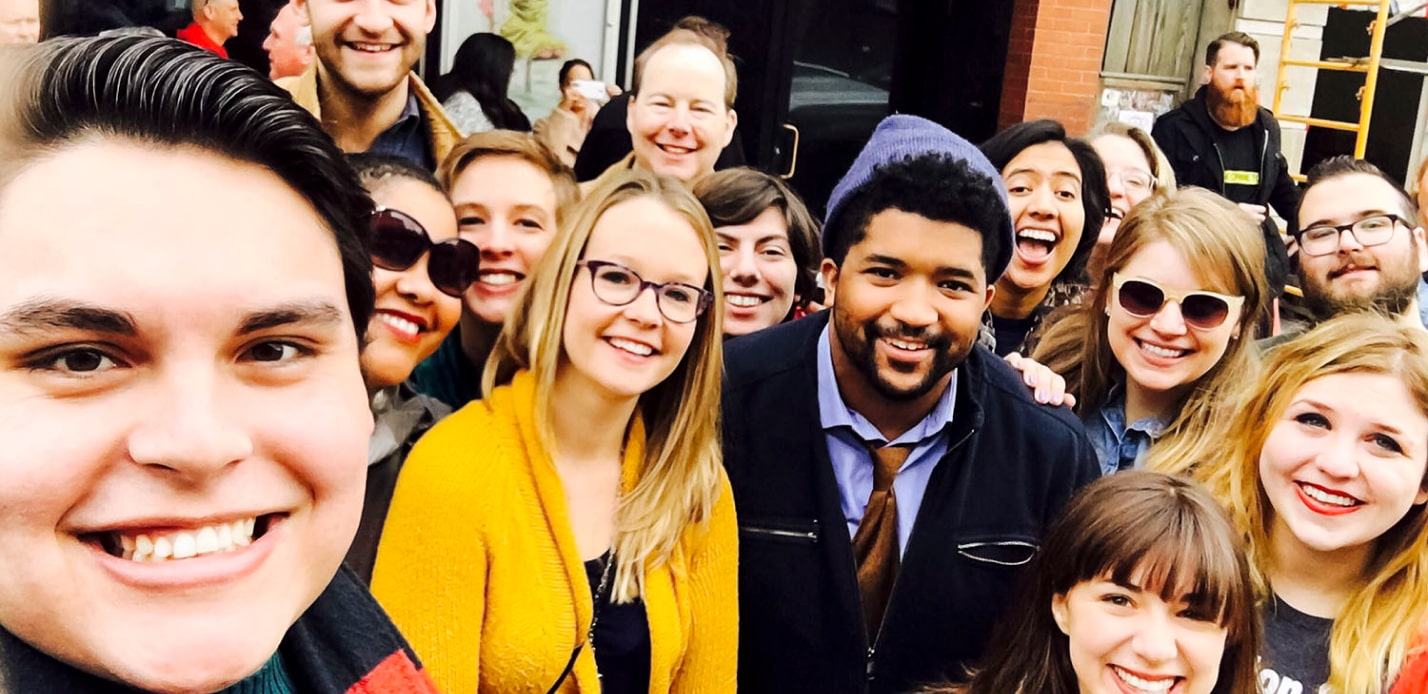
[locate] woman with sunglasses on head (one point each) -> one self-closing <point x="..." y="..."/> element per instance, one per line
<point x="1146" y="590"/>
<point x="1325" y="471"/>
<point x="1154" y="357"/>
<point x="574" y="531"/>
<point x="768" y="248"/>
<point x="420" y="271"/>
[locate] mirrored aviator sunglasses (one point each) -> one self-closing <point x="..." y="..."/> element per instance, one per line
<point x="399" y="241"/>
<point x="1200" y="309"/>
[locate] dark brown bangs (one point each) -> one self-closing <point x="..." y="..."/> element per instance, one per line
<point x="1173" y="541"/>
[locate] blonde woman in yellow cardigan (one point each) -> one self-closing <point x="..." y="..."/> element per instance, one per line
<point x="599" y="439"/>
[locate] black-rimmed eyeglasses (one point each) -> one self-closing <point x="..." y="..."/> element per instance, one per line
<point x="1374" y="230"/>
<point x="618" y="285"/>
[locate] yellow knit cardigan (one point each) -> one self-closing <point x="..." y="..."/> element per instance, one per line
<point x="478" y="565"/>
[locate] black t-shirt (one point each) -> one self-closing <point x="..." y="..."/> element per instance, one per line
<point x="1296" y="650"/>
<point x="621" y="639"/>
<point x="1011" y="332"/>
<point x="1240" y="152"/>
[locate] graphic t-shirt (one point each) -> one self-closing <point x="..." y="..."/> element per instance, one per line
<point x="1296" y="650"/>
<point x="1240" y="152"/>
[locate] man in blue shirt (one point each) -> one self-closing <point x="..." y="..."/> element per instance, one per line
<point x="892" y="478"/>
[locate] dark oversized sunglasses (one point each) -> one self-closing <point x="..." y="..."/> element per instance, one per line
<point x="1200" y="309"/>
<point x="399" y="241"/>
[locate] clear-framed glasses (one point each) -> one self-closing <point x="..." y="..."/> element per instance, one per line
<point x="1133" y="179"/>
<point x="618" y="285"/>
<point x="1199" y="309"/>
<point x="1373" y="230"/>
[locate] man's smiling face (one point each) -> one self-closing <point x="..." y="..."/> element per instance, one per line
<point x="368" y="48"/>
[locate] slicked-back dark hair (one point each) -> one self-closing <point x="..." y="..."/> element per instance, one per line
<point x="1344" y="165"/>
<point x="935" y="186"/>
<point x="1003" y="147"/>
<point x="168" y="94"/>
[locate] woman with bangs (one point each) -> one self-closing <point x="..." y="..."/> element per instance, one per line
<point x="1154" y="358"/>
<point x="575" y="530"/>
<point x="1326" y="480"/>
<point x="1147" y="590"/>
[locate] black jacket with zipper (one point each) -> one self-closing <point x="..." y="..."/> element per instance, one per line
<point x="1010" y="466"/>
<point x="1190" y="141"/>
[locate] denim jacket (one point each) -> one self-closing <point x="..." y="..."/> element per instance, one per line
<point x="1120" y="446"/>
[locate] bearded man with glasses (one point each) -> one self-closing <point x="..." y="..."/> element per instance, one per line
<point x="1360" y="243"/>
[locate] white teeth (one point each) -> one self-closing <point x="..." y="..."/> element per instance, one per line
<point x="672" y="149"/>
<point x="182" y="544"/>
<point x="401" y="325"/>
<point x="370" y="47"/>
<point x="1325" y="497"/>
<point x="911" y="346"/>
<point x="499" y="279"/>
<point x="632" y="347"/>
<point x="1164" y="352"/>
<point x="1037" y="235"/>
<point x="1144" y="685"/>
<point x="743" y="300"/>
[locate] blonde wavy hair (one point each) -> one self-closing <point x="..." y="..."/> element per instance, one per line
<point x="1372" y="634"/>
<point x="1223" y="245"/>
<point x="678" y="480"/>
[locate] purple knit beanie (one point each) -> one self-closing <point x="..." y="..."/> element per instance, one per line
<point x="901" y="137"/>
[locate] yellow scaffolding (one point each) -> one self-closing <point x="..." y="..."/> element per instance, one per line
<point x="1367" y="65"/>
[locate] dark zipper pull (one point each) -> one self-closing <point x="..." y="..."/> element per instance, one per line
<point x="869" y="668"/>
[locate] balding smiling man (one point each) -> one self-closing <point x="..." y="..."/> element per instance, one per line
<point x="19" y="21"/>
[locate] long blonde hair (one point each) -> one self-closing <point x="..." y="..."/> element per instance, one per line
<point x="678" y="479"/>
<point x="1221" y="244"/>
<point x="1372" y="633"/>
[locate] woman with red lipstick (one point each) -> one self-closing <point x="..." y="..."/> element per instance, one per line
<point x="420" y="270"/>
<point x="768" y="248"/>
<point x="1144" y="589"/>
<point x="1326" y="477"/>
<point x="183" y="423"/>
<point x="1056" y="188"/>
<point x="574" y="531"/>
<point x="1153" y="357"/>
<point x="511" y="195"/>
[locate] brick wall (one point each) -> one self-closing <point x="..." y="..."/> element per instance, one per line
<point x="1054" y="61"/>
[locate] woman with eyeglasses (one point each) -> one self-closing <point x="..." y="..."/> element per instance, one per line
<point x="1154" y="357"/>
<point x="574" y="531"/>
<point x="1135" y="169"/>
<point x="420" y="270"/>
<point x="1325" y="471"/>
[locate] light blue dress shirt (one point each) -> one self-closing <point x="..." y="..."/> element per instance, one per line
<point x="848" y="434"/>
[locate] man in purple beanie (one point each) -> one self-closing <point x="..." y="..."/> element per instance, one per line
<point x="892" y="478"/>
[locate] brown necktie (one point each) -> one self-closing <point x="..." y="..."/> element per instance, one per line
<point x="875" y="543"/>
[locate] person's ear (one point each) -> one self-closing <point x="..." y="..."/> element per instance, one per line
<point x="829" y="270"/>
<point x="733" y="123"/>
<point x="1420" y="247"/>
<point x="1206" y="74"/>
<point x="991" y="292"/>
<point x="429" y="19"/>
<point x="1059" y="612"/>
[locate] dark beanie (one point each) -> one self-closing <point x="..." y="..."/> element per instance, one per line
<point x="901" y="137"/>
